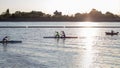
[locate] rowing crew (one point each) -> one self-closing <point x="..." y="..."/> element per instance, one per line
<point x="62" y="34"/>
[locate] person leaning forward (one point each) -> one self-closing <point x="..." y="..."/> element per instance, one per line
<point x="5" y="39"/>
<point x="63" y="34"/>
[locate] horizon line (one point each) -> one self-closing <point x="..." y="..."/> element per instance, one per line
<point x="60" y="11"/>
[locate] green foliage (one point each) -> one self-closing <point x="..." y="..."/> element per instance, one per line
<point x="5" y="14"/>
<point x="93" y="15"/>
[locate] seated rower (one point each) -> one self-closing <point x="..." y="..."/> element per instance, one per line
<point x="5" y="39"/>
<point x="57" y="35"/>
<point x="63" y="34"/>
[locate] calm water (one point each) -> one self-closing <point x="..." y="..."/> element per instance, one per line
<point x="92" y="48"/>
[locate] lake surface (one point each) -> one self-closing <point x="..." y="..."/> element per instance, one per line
<point x="92" y="48"/>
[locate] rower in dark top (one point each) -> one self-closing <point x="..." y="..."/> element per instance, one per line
<point x="63" y="34"/>
<point x="5" y="39"/>
<point x="112" y="31"/>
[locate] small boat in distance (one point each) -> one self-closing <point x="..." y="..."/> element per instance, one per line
<point x="112" y="33"/>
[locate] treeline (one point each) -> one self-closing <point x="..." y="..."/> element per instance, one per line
<point x="93" y="15"/>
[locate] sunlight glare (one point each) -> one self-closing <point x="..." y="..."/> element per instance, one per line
<point x="88" y="32"/>
<point x="88" y="57"/>
<point x="88" y="24"/>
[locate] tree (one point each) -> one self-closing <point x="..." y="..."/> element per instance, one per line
<point x="109" y="14"/>
<point x="7" y="11"/>
<point x="95" y="13"/>
<point x="56" y="13"/>
<point x="6" y="14"/>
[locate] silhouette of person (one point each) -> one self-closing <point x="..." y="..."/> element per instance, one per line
<point x="112" y="31"/>
<point x="63" y="34"/>
<point x="5" y="39"/>
<point x="57" y="35"/>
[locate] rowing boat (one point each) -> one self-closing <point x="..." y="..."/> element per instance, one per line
<point x="12" y="41"/>
<point x="110" y="33"/>
<point x="60" y="37"/>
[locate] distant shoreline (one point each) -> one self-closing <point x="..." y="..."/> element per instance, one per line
<point x="58" y="21"/>
<point x="38" y="16"/>
<point x="36" y="20"/>
<point x="59" y="26"/>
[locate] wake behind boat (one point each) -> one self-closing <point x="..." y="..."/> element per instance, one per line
<point x="12" y="41"/>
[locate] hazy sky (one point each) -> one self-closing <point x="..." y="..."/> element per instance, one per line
<point x="65" y="6"/>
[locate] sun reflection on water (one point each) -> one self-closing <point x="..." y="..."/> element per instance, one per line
<point x="88" y="24"/>
<point x="89" y="42"/>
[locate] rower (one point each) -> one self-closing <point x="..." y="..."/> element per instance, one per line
<point x="57" y="35"/>
<point x="63" y="34"/>
<point x="112" y="31"/>
<point x="5" y="39"/>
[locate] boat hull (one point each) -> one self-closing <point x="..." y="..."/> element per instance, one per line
<point x="108" y="33"/>
<point x="12" y="41"/>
